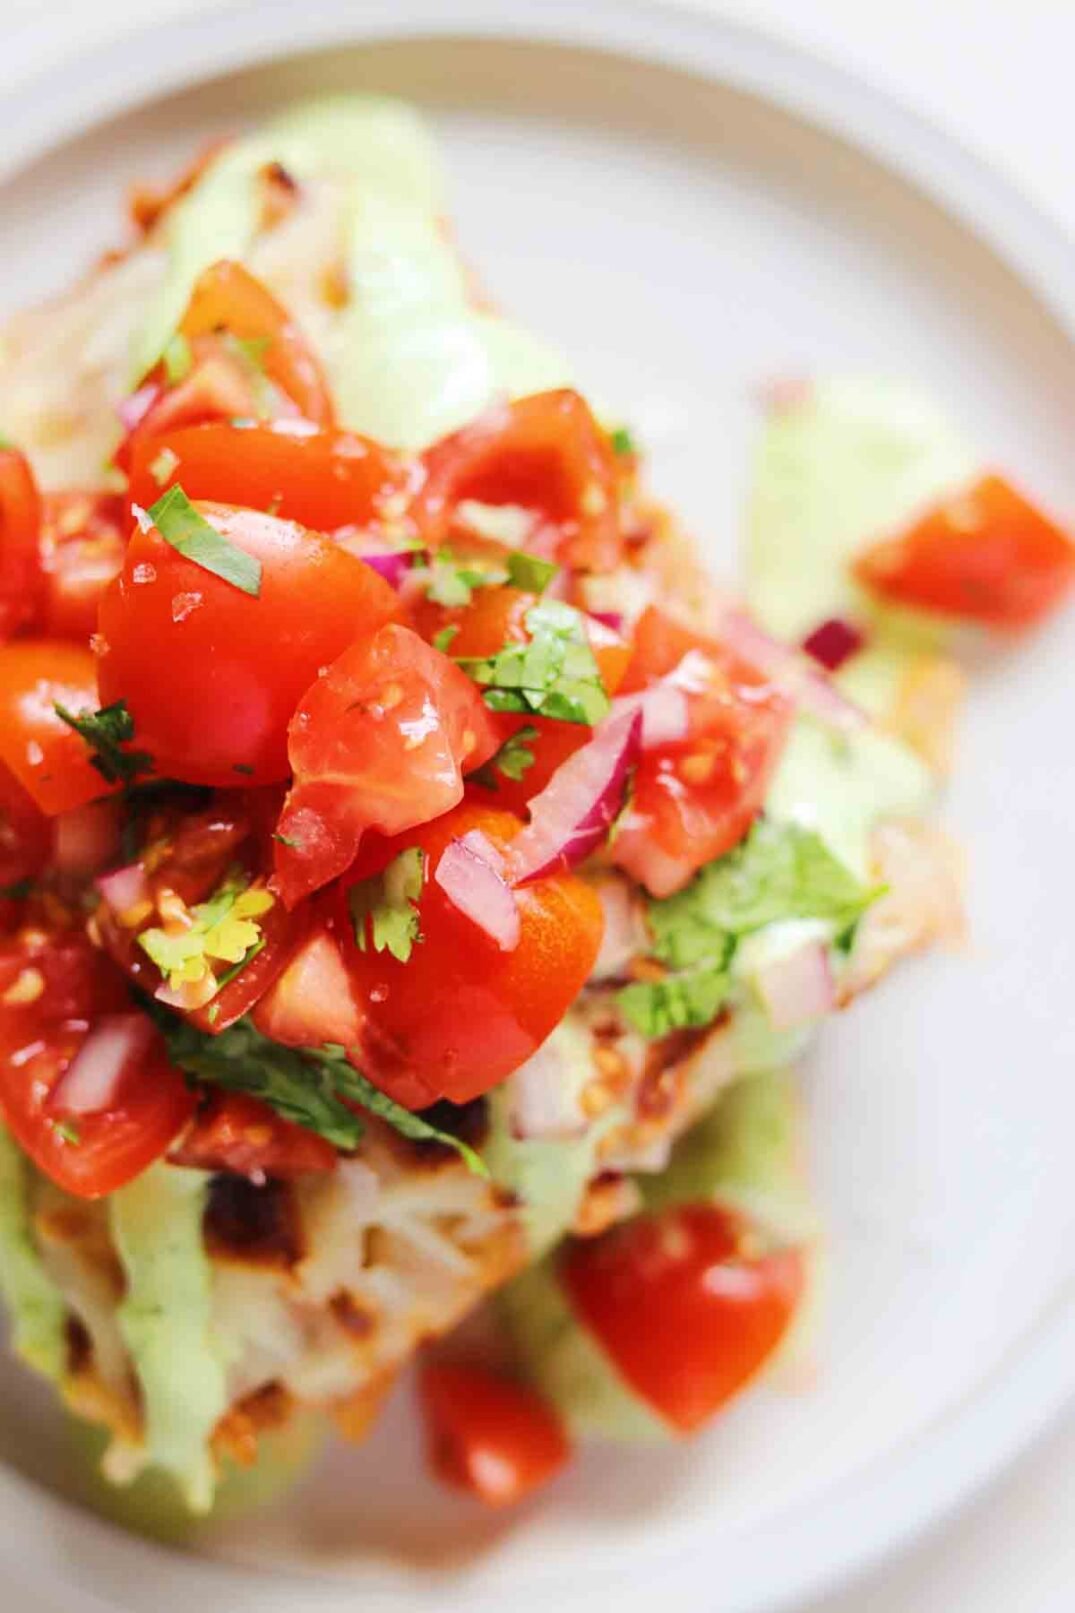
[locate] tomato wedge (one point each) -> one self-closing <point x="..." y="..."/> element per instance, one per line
<point x="459" y="1015"/>
<point x="488" y="1435"/>
<point x="25" y="833"/>
<point x="48" y="758"/>
<point x="696" y="796"/>
<point x="83" y="537"/>
<point x="380" y="741"/>
<point x="234" y="1132"/>
<point x="325" y="479"/>
<point x="21" y="579"/>
<point x="687" y="1313"/>
<point x="210" y="674"/>
<point x="545" y="453"/>
<point x="52" y="990"/>
<point x="987" y="555"/>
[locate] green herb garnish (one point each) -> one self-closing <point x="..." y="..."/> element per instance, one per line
<point x="224" y="929"/>
<point x="179" y="524"/>
<point x="107" y="732"/>
<point x="384" y="908"/>
<point x="514" y="758"/>
<point x="444" y="640"/>
<point x="163" y="465"/>
<point x="553" y="674"/>
<point x="678" y="1002"/>
<point x="622" y="442"/>
<point x="530" y="573"/>
<point x="178" y="359"/>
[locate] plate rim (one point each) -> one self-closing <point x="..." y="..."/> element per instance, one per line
<point x="851" y="1527"/>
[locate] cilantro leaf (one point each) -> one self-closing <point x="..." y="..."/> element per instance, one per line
<point x="163" y="465"/>
<point x="179" y="524"/>
<point x="224" y="929"/>
<point x="514" y="758"/>
<point x="622" y="442"/>
<point x="310" y="1086"/>
<point x="780" y="871"/>
<point x="384" y="908"/>
<point x="352" y="1084"/>
<point x="529" y="572"/>
<point x="17" y="891"/>
<point x="553" y="674"/>
<point x="452" y="582"/>
<point x="107" y="732"/>
<point x="444" y="640"/>
<point x="678" y="1002"/>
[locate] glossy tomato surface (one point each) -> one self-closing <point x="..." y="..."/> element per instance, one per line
<point x="237" y="1133"/>
<point x="211" y="674"/>
<point x="683" y="1307"/>
<point x="83" y="537"/>
<point x="21" y="580"/>
<point x="50" y="760"/>
<point x="487" y="1435"/>
<point x="460" y="1015"/>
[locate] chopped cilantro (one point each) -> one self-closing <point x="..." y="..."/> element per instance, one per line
<point x="553" y="674"/>
<point x="107" y="732"/>
<point x="622" y="442"/>
<point x="530" y="573"/>
<point x="514" y="758"/>
<point x="286" y="840"/>
<point x="163" y="465"/>
<point x="224" y="929"/>
<point x="68" y="1131"/>
<point x="444" y="640"/>
<point x="779" y="872"/>
<point x="452" y="582"/>
<point x="693" y="997"/>
<point x="244" y="768"/>
<point x="177" y="359"/>
<point x="384" y="908"/>
<point x="179" y="524"/>
<point x="312" y="1087"/>
<point x="17" y="891"/>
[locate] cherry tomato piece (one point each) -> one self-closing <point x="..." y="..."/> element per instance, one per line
<point x="83" y="537"/>
<point x="21" y="580"/>
<point x="487" y="1435"/>
<point x="25" y="833"/>
<point x="48" y="758"/>
<point x="381" y="741"/>
<point x="210" y="674"/>
<point x="987" y="554"/>
<point x="682" y="1307"/>
<point x="460" y="1015"/>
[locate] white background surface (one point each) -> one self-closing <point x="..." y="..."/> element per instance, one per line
<point x="997" y="73"/>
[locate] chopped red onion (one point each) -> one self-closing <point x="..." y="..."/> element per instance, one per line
<point x="93" y="1080"/>
<point x="833" y="643"/>
<point x="572" y="815"/>
<point x="797" y="988"/>
<point x="813" y="692"/>
<point x="392" y="564"/>
<point x="612" y="619"/>
<point x="470" y="873"/>
<point x="124" y="888"/>
<point x="133" y="409"/>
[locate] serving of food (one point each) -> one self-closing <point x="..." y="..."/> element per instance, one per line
<point x="420" y="878"/>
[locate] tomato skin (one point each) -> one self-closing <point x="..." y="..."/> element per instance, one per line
<point x="324" y="479"/>
<point x="235" y="1132"/>
<point x="487" y="1435"/>
<point x="228" y="297"/>
<point x="379" y="742"/>
<point x="687" y="1315"/>
<point x="545" y="452"/>
<point x="460" y="1015"/>
<point x="83" y="537"/>
<point x="21" y="580"/>
<point x="38" y="1041"/>
<point x="211" y="675"/>
<point x="25" y="832"/>
<point x="987" y="555"/>
<point x="47" y="757"/>
<point x="695" y="799"/>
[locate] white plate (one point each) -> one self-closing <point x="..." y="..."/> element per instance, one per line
<point x="675" y="213"/>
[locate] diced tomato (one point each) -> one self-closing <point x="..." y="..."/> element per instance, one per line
<point x="380" y="741"/>
<point x="986" y="554"/>
<point x="696" y="797"/>
<point x="220" y="385"/>
<point x="688" y="1313"/>
<point x="488" y="1435"/>
<point x="228" y="298"/>
<point x="52" y="990"/>
<point x="48" y="758"/>
<point x="460" y="1015"/>
<point x="210" y="674"/>
<point x="83" y="536"/>
<point x="325" y="479"/>
<point x="25" y="832"/>
<point x="237" y="1133"/>
<point x="21" y="580"/>
<point x="545" y="453"/>
<point x="313" y="1001"/>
